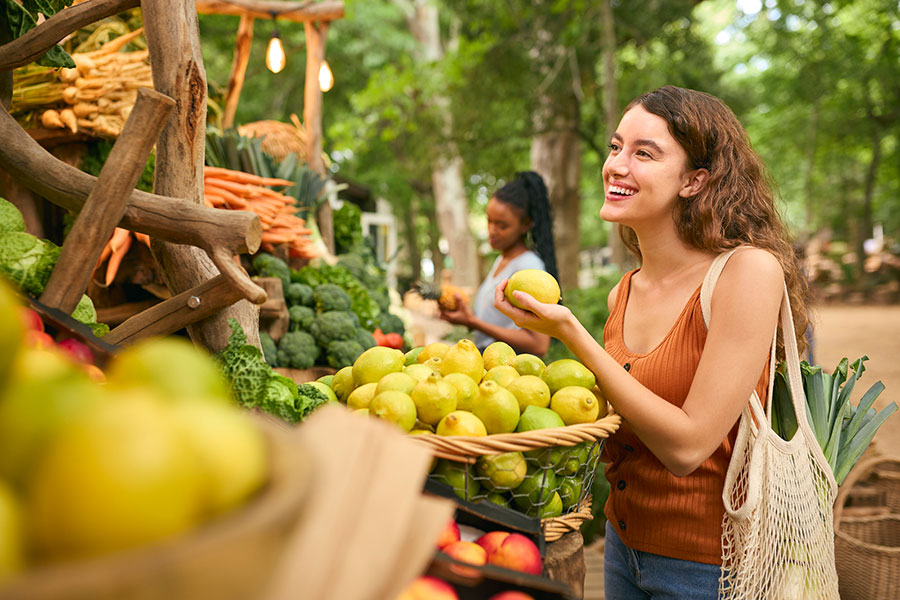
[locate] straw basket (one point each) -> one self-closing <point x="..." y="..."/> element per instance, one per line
<point x="232" y="557"/>
<point x="552" y="456"/>
<point x="867" y="548"/>
<point x="279" y="138"/>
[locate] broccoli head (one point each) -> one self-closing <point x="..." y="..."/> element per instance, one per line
<point x="299" y="294"/>
<point x="301" y="317"/>
<point x="297" y="350"/>
<point x="267" y="265"/>
<point x="309" y="399"/>
<point x="343" y="353"/>
<point x="269" y="349"/>
<point x="391" y="323"/>
<point x="330" y="296"/>
<point x="365" y="339"/>
<point x="333" y="326"/>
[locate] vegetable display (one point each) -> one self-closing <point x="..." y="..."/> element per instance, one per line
<point x="843" y="430"/>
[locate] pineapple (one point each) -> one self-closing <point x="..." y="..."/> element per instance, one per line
<point x="444" y="294"/>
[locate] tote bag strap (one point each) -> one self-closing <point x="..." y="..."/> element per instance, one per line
<point x="760" y="415"/>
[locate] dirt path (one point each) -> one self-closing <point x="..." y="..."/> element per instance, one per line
<point x="874" y="331"/>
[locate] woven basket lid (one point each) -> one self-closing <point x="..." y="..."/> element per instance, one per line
<point x="279" y="138"/>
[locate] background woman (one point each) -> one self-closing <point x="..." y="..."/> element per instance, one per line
<point x="520" y="227"/>
<point x="684" y="185"/>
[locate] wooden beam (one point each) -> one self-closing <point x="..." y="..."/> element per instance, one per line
<point x="173" y="39"/>
<point x="106" y="203"/>
<point x="158" y="216"/>
<point x="38" y="40"/>
<point x="327" y="10"/>
<point x="316" y="34"/>
<point x="242" y="44"/>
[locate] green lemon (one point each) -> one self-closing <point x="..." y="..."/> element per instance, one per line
<point x="550" y="509"/>
<point x="11" y="331"/>
<point x="536" y="490"/>
<point x="498" y="499"/>
<point x="498" y="353"/>
<point x="528" y="364"/>
<point x="342" y="384"/>
<point x="459" y="476"/>
<point x="410" y="358"/>
<point x="327" y="379"/>
<point x="540" y="284"/>
<point x="434" y="399"/>
<point x="565" y="372"/>
<point x="536" y="417"/>
<point x="461" y="422"/>
<point x="466" y="389"/>
<point x="375" y="363"/>
<point x="575" y="404"/>
<point x="501" y="472"/>
<point x="502" y="374"/>
<point x="362" y="396"/>
<point x="497" y="408"/>
<point x="570" y="491"/>
<point x="399" y="382"/>
<point x="325" y="389"/>
<point x="530" y="390"/>
<point x="396" y="407"/>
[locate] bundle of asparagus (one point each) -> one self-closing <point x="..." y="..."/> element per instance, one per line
<point x="97" y="95"/>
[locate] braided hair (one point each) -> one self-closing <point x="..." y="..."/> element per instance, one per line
<point x="528" y="194"/>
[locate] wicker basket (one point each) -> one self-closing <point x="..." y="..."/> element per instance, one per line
<point x="467" y="450"/>
<point x="230" y="558"/>
<point x="867" y="548"/>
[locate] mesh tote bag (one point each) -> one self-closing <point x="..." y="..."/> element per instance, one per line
<point x="777" y="532"/>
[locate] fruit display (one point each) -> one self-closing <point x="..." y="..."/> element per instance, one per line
<point x="444" y="390"/>
<point x="91" y="468"/>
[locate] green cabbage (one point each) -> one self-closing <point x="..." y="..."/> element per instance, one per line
<point x="11" y="220"/>
<point x="27" y="261"/>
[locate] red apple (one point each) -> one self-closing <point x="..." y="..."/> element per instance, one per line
<point x="38" y="339"/>
<point x="511" y="595"/>
<point x="428" y="588"/>
<point x="31" y="319"/>
<point x="492" y="540"/>
<point x="467" y="552"/>
<point x="518" y="553"/>
<point x="449" y="535"/>
<point x="77" y="350"/>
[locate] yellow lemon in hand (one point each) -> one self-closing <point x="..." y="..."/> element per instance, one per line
<point x="539" y="284"/>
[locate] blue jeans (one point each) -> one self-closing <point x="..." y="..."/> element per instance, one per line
<point x="634" y="575"/>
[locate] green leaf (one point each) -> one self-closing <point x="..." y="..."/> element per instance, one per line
<point x="21" y="20"/>
<point x="860" y="442"/>
<point x="819" y="402"/>
<point x="859" y="419"/>
<point x="783" y="406"/>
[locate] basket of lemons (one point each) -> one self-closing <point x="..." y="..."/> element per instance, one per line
<point x="152" y="484"/>
<point x="503" y="427"/>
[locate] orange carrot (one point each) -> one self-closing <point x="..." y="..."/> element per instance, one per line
<point x="115" y="259"/>
<point x="237" y="188"/>
<point x="217" y="191"/>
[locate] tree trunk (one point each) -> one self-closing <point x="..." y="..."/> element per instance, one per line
<point x="865" y="220"/>
<point x="414" y="256"/>
<point x="174" y="43"/>
<point x="451" y="205"/>
<point x="810" y="169"/>
<point x="437" y="257"/>
<point x="621" y="257"/>
<point x="316" y="34"/>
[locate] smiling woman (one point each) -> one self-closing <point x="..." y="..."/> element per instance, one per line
<point x="684" y="186"/>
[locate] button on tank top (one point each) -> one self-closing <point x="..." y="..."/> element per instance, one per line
<point x="651" y="509"/>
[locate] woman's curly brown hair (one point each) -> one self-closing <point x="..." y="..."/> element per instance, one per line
<point x="736" y="206"/>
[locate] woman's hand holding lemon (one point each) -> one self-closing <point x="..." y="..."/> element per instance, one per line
<point x="550" y="319"/>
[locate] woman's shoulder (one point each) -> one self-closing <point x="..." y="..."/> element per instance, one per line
<point x="528" y="260"/>
<point x="750" y="264"/>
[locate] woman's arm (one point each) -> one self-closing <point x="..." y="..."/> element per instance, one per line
<point x="744" y="310"/>
<point x="523" y="340"/>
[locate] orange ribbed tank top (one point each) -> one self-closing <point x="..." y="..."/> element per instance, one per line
<point x="651" y="509"/>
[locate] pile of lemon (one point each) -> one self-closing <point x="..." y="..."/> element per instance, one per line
<point x="455" y="390"/>
<point x="90" y="468"/>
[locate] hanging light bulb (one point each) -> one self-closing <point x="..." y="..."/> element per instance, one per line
<point x="326" y="77"/>
<point x="275" y="53"/>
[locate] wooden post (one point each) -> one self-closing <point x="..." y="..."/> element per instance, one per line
<point x="312" y="119"/>
<point x="173" y="39"/>
<point x="105" y="205"/>
<point x="242" y="44"/>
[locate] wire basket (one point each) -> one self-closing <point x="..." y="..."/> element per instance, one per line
<point x="867" y="548"/>
<point x="545" y="473"/>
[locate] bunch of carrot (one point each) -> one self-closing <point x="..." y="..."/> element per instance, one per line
<point x="115" y="250"/>
<point x="236" y="190"/>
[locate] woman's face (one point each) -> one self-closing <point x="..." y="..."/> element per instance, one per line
<point x="645" y="172"/>
<point x="506" y="225"/>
